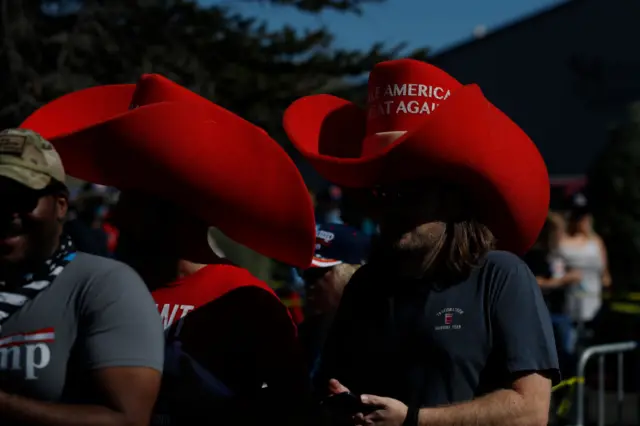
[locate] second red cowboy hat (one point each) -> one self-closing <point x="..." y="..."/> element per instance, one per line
<point x="160" y="138"/>
<point x="421" y="123"/>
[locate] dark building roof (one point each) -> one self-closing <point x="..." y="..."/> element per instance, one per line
<point x="358" y="93"/>
<point x="505" y="30"/>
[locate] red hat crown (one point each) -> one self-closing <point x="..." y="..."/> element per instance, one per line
<point x="400" y="94"/>
<point x="155" y="88"/>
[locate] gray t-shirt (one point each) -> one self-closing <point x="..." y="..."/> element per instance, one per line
<point x="431" y="345"/>
<point x="97" y="313"/>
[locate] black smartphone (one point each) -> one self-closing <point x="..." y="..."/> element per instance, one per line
<point x="346" y="403"/>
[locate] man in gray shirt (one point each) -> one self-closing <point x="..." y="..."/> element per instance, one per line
<point x="81" y="342"/>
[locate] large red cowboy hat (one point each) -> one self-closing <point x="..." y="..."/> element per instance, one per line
<point x="421" y="123"/>
<point x="160" y="138"/>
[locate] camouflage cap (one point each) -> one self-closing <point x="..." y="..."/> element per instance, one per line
<point x="27" y="158"/>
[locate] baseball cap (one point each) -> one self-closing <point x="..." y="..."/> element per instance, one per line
<point x="578" y="205"/>
<point x="29" y="159"/>
<point x="336" y="244"/>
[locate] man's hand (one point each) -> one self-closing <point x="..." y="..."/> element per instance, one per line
<point x="335" y="387"/>
<point x="389" y="412"/>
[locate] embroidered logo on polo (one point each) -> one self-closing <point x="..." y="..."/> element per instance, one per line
<point x="28" y="352"/>
<point x="449" y="319"/>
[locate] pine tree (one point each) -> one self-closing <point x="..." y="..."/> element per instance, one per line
<point x="52" y="47"/>
<point x="614" y="193"/>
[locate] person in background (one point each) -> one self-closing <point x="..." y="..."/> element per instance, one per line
<point x="340" y="251"/>
<point x="555" y="279"/>
<point x="328" y="205"/>
<point x="85" y="226"/>
<point x="111" y="232"/>
<point x="81" y="339"/>
<point x="232" y="356"/>
<point x="583" y="251"/>
<point x="285" y="285"/>
<point x="293" y="301"/>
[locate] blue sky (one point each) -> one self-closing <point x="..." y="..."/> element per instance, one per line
<point x="432" y="23"/>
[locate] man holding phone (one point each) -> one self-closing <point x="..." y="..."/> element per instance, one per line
<point x="440" y="327"/>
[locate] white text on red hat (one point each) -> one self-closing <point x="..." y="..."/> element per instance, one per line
<point x="380" y="104"/>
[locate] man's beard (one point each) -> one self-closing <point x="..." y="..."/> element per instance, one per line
<point x="410" y="255"/>
<point x="421" y="239"/>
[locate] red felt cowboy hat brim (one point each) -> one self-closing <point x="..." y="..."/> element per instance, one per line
<point x="229" y="174"/>
<point x="465" y="140"/>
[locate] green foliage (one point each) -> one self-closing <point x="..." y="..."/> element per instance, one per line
<point x="50" y="48"/>
<point x="614" y="192"/>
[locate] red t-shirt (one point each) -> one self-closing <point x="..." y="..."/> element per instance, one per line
<point x="232" y="349"/>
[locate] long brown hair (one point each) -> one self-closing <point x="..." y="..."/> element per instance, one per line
<point x="461" y="247"/>
<point x="464" y="245"/>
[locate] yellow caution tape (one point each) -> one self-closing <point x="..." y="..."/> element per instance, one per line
<point x="625" y="308"/>
<point x="630" y="297"/>
<point x="565" y="404"/>
<point x="568" y="382"/>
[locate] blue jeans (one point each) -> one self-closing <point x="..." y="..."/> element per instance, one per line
<point x="565" y="333"/>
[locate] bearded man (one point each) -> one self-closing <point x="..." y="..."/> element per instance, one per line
<point x="440" y="327"/>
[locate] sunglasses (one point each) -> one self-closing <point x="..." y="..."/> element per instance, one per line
<point x="24" y="201"/>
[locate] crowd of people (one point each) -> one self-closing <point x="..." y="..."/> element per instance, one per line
<point x="340" y="250"/>
<point x="569" y="261"/>
<point x="419" y="311"/>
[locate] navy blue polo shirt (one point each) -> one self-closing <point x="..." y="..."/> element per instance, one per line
<point x="431" y="346"/>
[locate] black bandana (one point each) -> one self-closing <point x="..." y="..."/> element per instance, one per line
<point x="34" y="283"/>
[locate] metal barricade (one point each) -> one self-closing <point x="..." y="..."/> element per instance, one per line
<point x="601" y="351"/>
